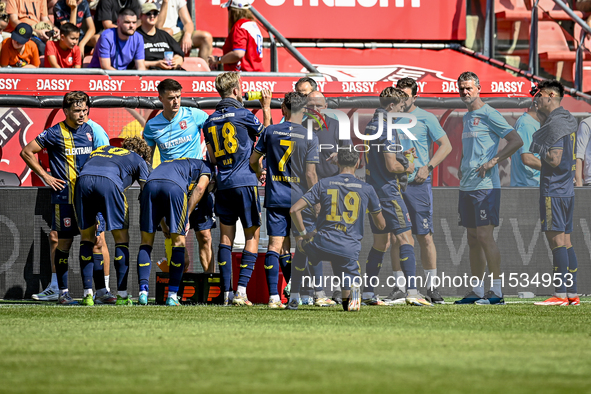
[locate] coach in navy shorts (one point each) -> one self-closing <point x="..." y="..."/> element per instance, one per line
<point x="480" y="185"/>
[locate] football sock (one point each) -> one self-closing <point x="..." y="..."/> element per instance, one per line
<point x="177" y="265"/>
<point x="225" y="265"/>
<point x="275" y="298"/>
<point x="246" y="267"/>
<point x="285" y="262"/>
<point x="107" y="282"/>
<point x="122" y="265"/>
<point x="400" y="282"/>
<point x="346" y="304"/>
<point x="479" y="290"/>
<point x="172" y="294"/>
<point x="143" y="266"/>
<point x="122" y="293"/>
<point x="413" y="292"/>
<point x="372" y="267"/>
<point x="573" y="265"/>
<point x="408" y="264"/>
<point x="298" y="267"/>
<point x="560" y="260"/>
<point x="86" y="263"/>
<point x="241" y="290"/>
<point x="98" y="272"/>
<point x="87" y="292"/>
<point x="54" y="280"/>
<point x="496" y="287"/>
<point x="429" y="276"/>
<point x="272" y="271"/>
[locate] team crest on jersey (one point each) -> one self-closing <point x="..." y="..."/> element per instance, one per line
<point x="89" y="136"/>
<point x="482" y="214"/>
<point x="67" y="222"/>
<point x="476" y="122"/>
<point x="183" y="124"/>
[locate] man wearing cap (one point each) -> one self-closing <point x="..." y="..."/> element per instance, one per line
<point x="158" y="42"/>
<point x="19" y="50"/>
<point x="33" y="13"/>
<point x="119" y="46"/>
<point x="171" y="11"/>
<point x="243" y="49"/>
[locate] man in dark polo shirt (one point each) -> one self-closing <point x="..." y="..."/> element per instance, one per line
<point x="157" y="42"/>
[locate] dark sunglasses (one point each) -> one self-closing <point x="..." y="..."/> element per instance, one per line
<point x="152" y="13"/>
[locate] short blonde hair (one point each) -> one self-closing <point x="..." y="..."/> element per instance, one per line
<point x="224" y="83"/>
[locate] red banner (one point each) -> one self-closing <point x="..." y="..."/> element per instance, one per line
<point x="349" y="19"/>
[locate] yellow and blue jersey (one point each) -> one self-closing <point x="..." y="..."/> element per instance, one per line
<point x="179" y="137"/>
<point x="231" y="132"/>
<point x="68" y="150"/>
<point x="288" y="150"/>
<point x="184" y="172"/>
<point x="483" y="129"/>
<point x="117" y="164"/>
<point x="343" y="201"/>
<point x="558" y="181"/>
<point x="384" y="182"/>
<point x="427" y="130"/>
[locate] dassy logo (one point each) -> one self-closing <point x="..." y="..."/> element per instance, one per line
<point x="399" y="121"/>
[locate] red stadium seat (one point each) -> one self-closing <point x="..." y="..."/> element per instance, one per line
<point x="195" y="64"/>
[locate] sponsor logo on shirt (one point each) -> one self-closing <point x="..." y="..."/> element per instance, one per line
<point x="175" y="142"/>
<point x="78" y="151"/>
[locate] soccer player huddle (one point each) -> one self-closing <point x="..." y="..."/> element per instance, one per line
<point x="211" y="167"/>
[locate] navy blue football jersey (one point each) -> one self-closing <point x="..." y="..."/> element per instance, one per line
<point x="287" y="151"/>
<point x="376" y="173"/>
<point x="343" y="200"/>
<point x="119" y="165"/>
<point x="68" y="150"/>
<point x="184" y="172"/>
<point x="558" y="181"/>
<point x="231" y="132"/>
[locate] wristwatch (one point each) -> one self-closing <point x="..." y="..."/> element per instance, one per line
<point x="430" y="167"/>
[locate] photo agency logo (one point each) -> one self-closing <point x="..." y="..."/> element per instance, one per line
<point x="399" y="121"/>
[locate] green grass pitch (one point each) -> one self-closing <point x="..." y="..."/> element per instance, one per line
<point x="517" y="348"/>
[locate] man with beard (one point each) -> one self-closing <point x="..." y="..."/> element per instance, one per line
<point x="121" y="45"/>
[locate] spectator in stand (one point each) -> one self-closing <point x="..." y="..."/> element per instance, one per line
<point x="33" y="13"/>
<point x="121" y="45"/>
<point x="75" y="12"/>
<point x="583" y="154"/>
<point x="243" y="49"/>
<point x="19" y="50"/>
<point x="3" y="19"/>
<point x="64" y="53"/>
<point x="157" y="42"/>
<point x="107" y="13"/>
<point x="188" y="37"/>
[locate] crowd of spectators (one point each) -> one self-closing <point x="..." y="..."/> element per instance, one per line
<point x="123" y="34"/>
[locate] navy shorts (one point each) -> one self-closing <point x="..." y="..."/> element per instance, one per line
<point x="100" y="224"/>
<point x="163" y="199"/>
<point x="64" y="221"/>
<point x="396" y="217"/>
<point x="342" y="267"/>
<point x="418" y="198"/>
<point x="239" y="203"/>
<point x="479" y="207"/>
<point x="97" y="194"/>
<point x="556" y="213"/>
<point x="278" y="222"/>
<point x="202" y="217"/>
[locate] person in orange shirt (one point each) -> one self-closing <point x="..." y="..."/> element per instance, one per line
<point x="19" y="50"/>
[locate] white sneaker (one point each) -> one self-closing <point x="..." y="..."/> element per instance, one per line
<point x="49" y="294"/>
